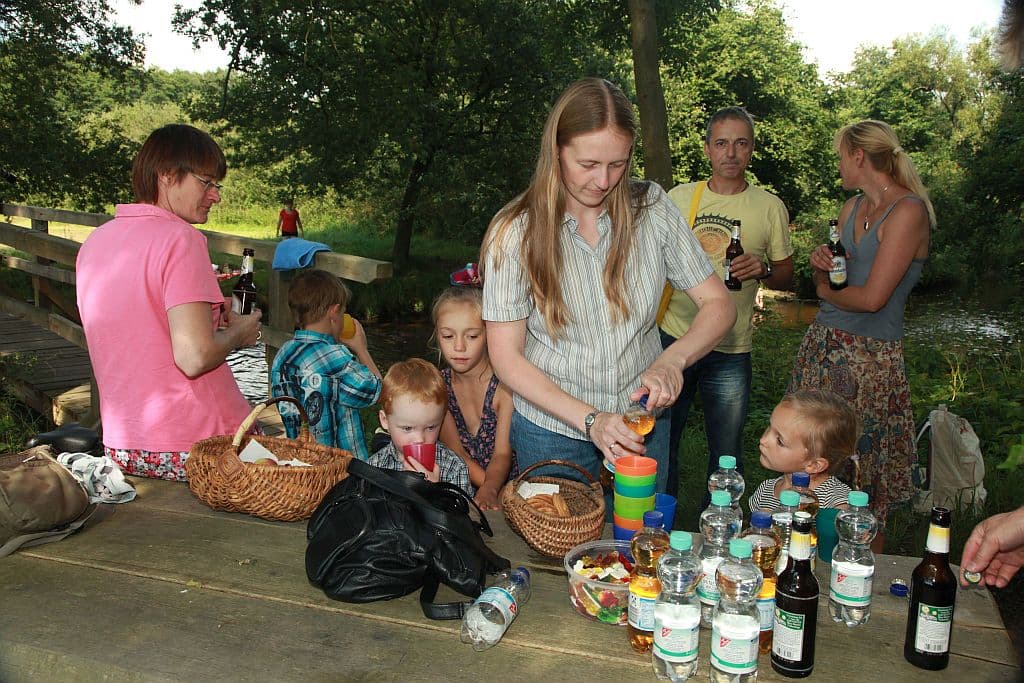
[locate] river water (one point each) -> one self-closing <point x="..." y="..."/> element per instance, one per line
<point x="947" y="320"/>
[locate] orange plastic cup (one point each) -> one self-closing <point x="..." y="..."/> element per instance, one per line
<point x="348" y="327"/>
<point x="627" y="523"/>
<point x="636" y="465"/>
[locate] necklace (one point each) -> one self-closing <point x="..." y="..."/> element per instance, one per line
<point x="867" y="222"/>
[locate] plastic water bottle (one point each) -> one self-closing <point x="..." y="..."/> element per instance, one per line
<point x="728" y="478"/>
<point x="490" y="615"/>
<point x="735" y="629"/>
<point x="647" y="546"/>
<point x="809" y="503"/>
<point x="765" y="548"/>
<point x="718" y="525"/>
<point x="677" y="611"/>
<point x="782" y="524"/>
<point x="853" y="563"/>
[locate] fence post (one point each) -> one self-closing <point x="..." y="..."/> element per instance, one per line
<point x="39" y="298"/>
<point x="278" y="316"/>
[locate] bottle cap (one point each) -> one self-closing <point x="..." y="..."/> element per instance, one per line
<point x="857" y="499"/>
<point x="643" y="401"/>
<point x="680" y="540"/>
<point x="789" y="498"/>
<point x="727" y="462"/>
<point x="740" y="548"/>
<point x="760" y="519"/>
<point x="972" y="578"/>
<point x="801" y="479"/>
<point x="898" y="587"/>
<point x="721" y="498"/>
<point x="654" y="518"/>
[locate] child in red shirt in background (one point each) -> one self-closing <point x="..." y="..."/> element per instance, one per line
<point x="289" y="224"/>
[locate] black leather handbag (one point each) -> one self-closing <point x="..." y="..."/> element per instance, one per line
<point x="381" y="534"/>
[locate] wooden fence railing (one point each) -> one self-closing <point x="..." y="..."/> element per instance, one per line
<point x="55" y="310"/>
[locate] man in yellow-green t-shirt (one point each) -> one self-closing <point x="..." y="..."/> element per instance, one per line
<point x="723" y="376"/>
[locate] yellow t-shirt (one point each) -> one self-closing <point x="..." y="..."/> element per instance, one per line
<point x="764" y="232"/>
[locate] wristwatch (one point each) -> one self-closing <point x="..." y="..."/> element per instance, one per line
<point x="588" y="421"/>
<point x="767" y="270"/>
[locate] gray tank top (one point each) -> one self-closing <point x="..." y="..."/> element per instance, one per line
<point x="887" y="322"/>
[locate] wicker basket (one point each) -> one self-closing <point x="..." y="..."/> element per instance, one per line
<point x="548" y="534"/>
<point x="218" y="478"/>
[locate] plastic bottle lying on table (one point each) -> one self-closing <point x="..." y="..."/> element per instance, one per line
<point x="490" y="615"/>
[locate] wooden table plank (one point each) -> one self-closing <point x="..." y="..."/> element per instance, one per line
<point x="241" y="569"/>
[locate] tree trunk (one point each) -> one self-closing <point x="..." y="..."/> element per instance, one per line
<point x="406" y="220"/>
<point x="649" y="94"/>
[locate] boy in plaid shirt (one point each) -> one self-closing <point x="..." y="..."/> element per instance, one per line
<point x="333" y="377"/>
<point x="413" y="402"/>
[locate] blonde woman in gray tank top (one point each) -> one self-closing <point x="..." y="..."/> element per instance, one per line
<point x="855" y="345"/>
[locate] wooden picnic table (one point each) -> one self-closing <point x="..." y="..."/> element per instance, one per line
<point x="165" y="589"/>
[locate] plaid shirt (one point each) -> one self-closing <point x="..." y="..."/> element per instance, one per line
<point x="331" y="384"/>
<point x="452" y="468"/>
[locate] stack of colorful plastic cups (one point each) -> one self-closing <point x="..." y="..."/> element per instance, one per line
<point x="634" y="494"/>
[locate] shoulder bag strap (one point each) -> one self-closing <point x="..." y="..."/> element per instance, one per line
<point x="666" y="294"/>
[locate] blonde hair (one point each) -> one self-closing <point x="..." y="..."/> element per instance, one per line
<point x="1010" y="37"/>
<point x="882" y="148"/>
<point x="416" y="379"/>
<point x="454" y="295"/>
<point x="828" y="423"/>
<point x="586" y="106"/>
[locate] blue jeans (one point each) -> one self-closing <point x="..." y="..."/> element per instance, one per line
<point x="533" y="443"/>
<point x="724" y="383"/>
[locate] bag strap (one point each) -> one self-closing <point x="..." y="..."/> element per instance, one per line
<point x="666" y="294"/>
<point x="439" y="611"/>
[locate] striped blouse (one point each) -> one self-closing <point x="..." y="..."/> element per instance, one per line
<point x="595" y="361"/>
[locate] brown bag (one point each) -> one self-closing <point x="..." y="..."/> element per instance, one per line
<point x="40" y="500"/>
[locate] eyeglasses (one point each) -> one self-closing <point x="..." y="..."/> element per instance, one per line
<point x="208" y="184"/>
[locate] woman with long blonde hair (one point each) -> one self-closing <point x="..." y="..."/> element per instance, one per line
<point x="573" y="270"/>
<point x="855" y="345"/>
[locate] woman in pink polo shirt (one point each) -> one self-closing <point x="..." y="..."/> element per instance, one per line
<point x="154" y="318"/>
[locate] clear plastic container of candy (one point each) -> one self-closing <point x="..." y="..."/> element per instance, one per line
<point x="598" y="574"/>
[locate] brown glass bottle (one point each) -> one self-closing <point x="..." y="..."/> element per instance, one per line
<point x="734" y="249"/>
<point x="932" y="600"/>
<point x="244" y="294"/>
<point x="796" y="606"/>
<point x="837" y="275"/>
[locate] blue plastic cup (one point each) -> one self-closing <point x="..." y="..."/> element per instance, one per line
<point x="666" y="504"/>
<point x="620" y="534"/>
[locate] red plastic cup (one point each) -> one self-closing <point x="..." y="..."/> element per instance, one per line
<point x="423" y="453"/>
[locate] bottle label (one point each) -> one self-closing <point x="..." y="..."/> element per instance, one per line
<point x="241" y="303"/>
<point x="641" y="612"/>
<point x="502" y="600"/>
<point x="727" y="263"/>
<point x="676" y="632"/>
<point x="766" y="612"/>
<point x="780" y="566"/>
<point x="788" y="636"/>
<point x="734" y="639"/>
<point x="933" y="624"/>
<point x="938" y="539"/>
<point x="851" y="584"/>
<point x="837" y="275"/>
<point x="707" y="589"/>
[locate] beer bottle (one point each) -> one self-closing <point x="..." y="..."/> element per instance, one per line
<point x="796" y="606"/>
<point x="244" y="294"/>
<point x="836" y="276"/>
<point x="932" y="599"/>
<point x="734" y="249"/>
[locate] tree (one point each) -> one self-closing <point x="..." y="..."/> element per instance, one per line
<point x="748" y="57"/>
<point x="61" y="61"/>
<point x="649" y="93"/>
<point x="428" y="106"/>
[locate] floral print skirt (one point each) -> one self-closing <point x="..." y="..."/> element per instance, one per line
<point x="871" y="374"/>
<point x="169" y="466"/>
